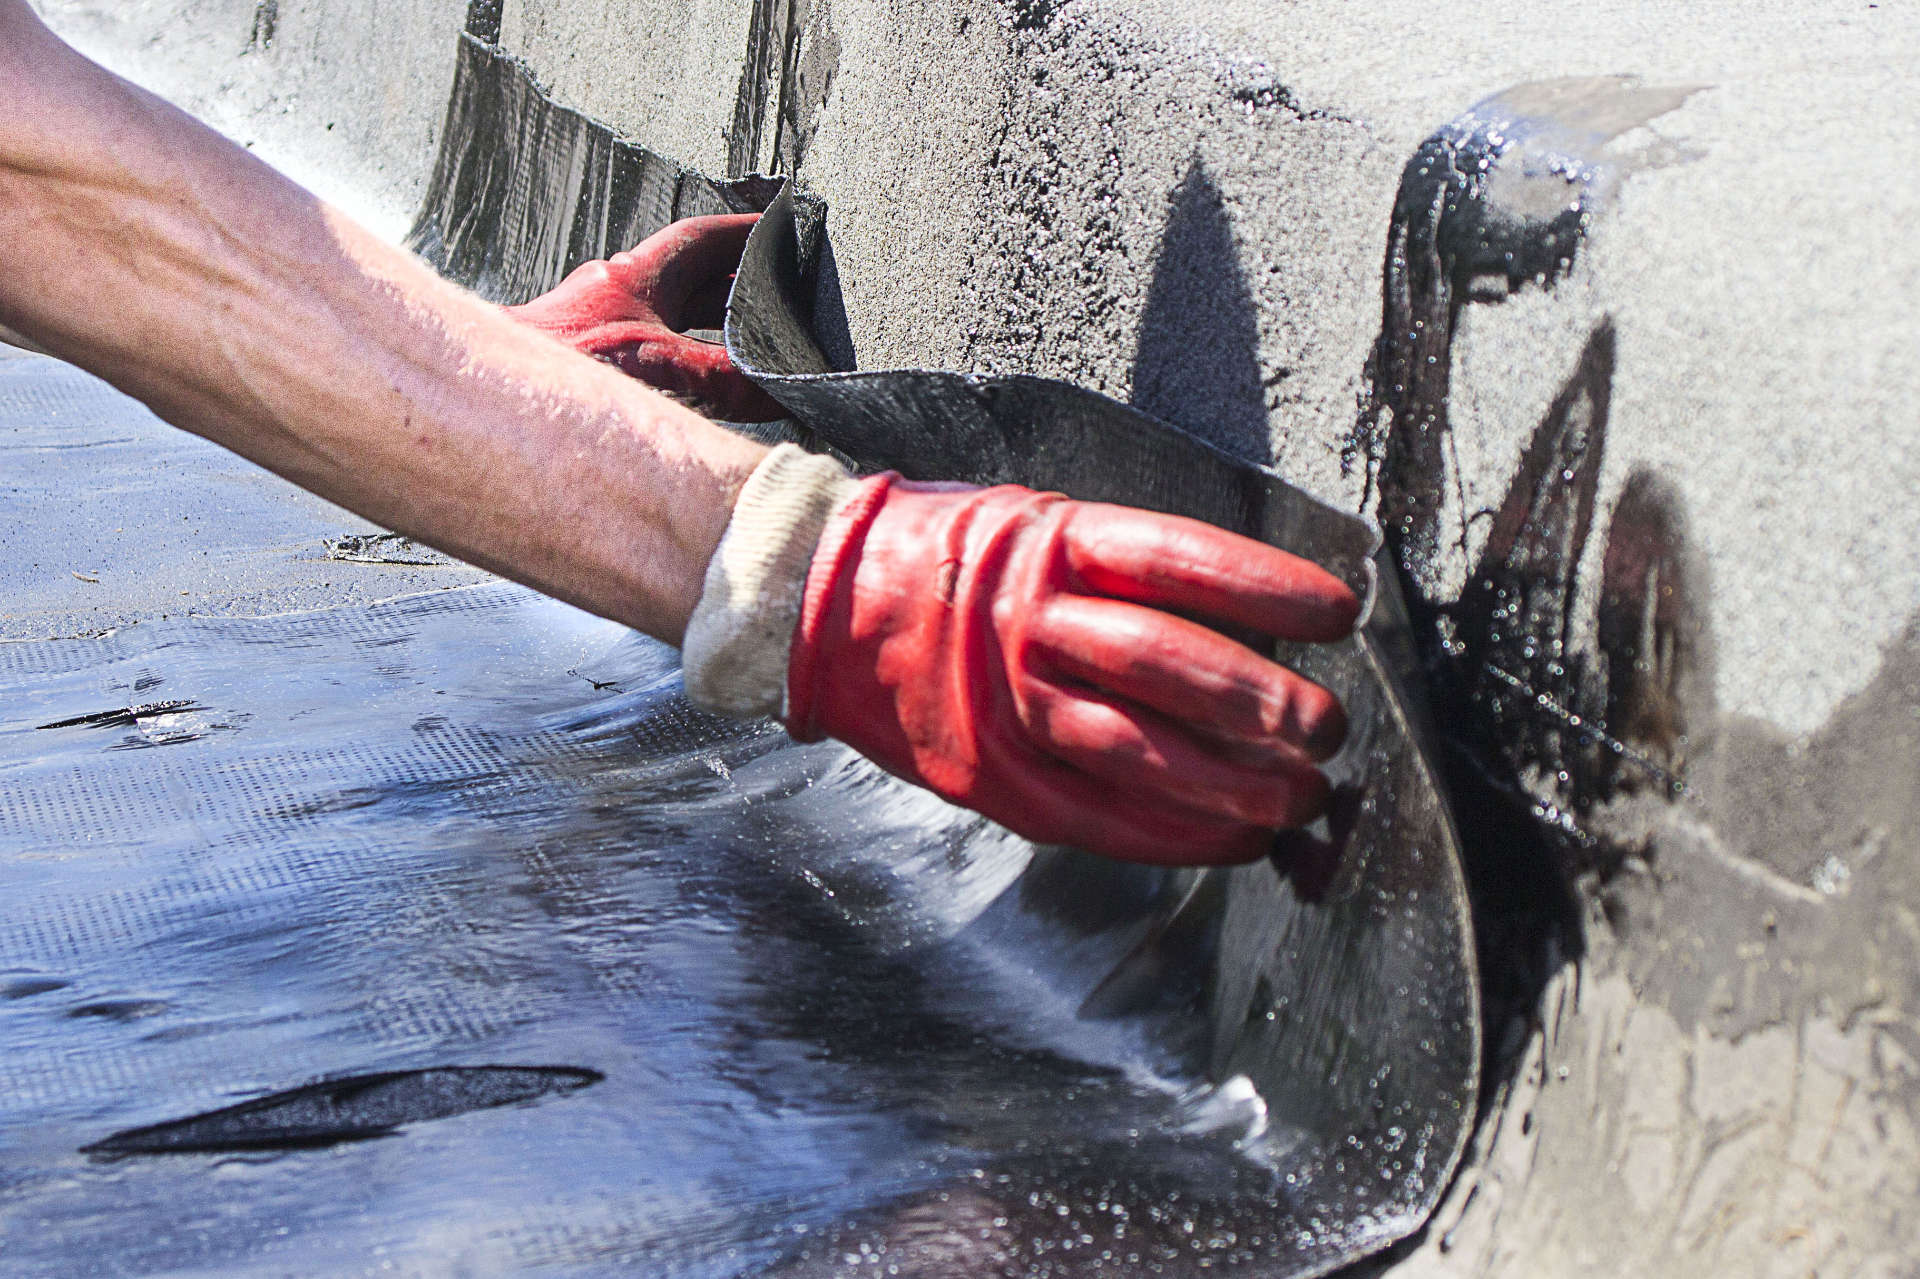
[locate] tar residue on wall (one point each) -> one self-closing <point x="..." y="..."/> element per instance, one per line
<point x="1541" y="726"/>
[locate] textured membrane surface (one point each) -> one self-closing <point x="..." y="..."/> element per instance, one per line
<point x="412" y="837"/>
<point x="478" y="828"/>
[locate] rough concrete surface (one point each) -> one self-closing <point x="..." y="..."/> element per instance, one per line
<point x="678" y="65"/>
<point x="1709" y="1064"/>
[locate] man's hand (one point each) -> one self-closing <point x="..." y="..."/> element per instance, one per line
<point x="1029" y="656"/>
<point x="1011" y="651"/>
<point x="633" y="309"/>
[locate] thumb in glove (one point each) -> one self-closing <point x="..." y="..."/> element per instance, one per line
<point x="632" y="310"/>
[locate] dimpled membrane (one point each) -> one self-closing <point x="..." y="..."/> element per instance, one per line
<point x="417" y="836"/>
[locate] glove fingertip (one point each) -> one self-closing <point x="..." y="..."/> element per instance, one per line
<point x="1324" y="723"/>
<point x="1339" y="610"/>
<point x="1307" y="798"/>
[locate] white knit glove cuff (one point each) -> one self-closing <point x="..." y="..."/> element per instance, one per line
<point x="735" y="653"/>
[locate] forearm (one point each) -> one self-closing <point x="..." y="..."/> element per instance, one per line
<point x="147" y="249"/>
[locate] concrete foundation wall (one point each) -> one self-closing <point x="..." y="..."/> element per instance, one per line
<point x="1711" y="1065"/>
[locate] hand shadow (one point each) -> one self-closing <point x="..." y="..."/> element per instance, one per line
<point x="1197" y="362"/>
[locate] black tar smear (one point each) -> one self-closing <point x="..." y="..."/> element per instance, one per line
<point x="354" y="1108"/>
<point x="125" y="714"/>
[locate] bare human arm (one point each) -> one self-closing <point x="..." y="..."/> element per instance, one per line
<point x="142" y="246"/>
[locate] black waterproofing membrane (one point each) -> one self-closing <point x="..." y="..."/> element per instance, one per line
<point x="443" y="936"/>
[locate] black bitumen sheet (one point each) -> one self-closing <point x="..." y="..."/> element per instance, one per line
<point x="320" y="862"/>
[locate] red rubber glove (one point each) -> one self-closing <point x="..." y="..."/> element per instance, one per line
<point x="631" y="310"/>
<point x="1010" y="650"/>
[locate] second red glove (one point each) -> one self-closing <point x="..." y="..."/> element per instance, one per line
<point x="632" y="310"/>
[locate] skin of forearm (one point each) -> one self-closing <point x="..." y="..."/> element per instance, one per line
<point x="147" y="249"/>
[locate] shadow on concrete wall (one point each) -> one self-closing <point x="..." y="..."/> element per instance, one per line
<point x="831" y="325"/>
<point x="1197" y="364"/>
